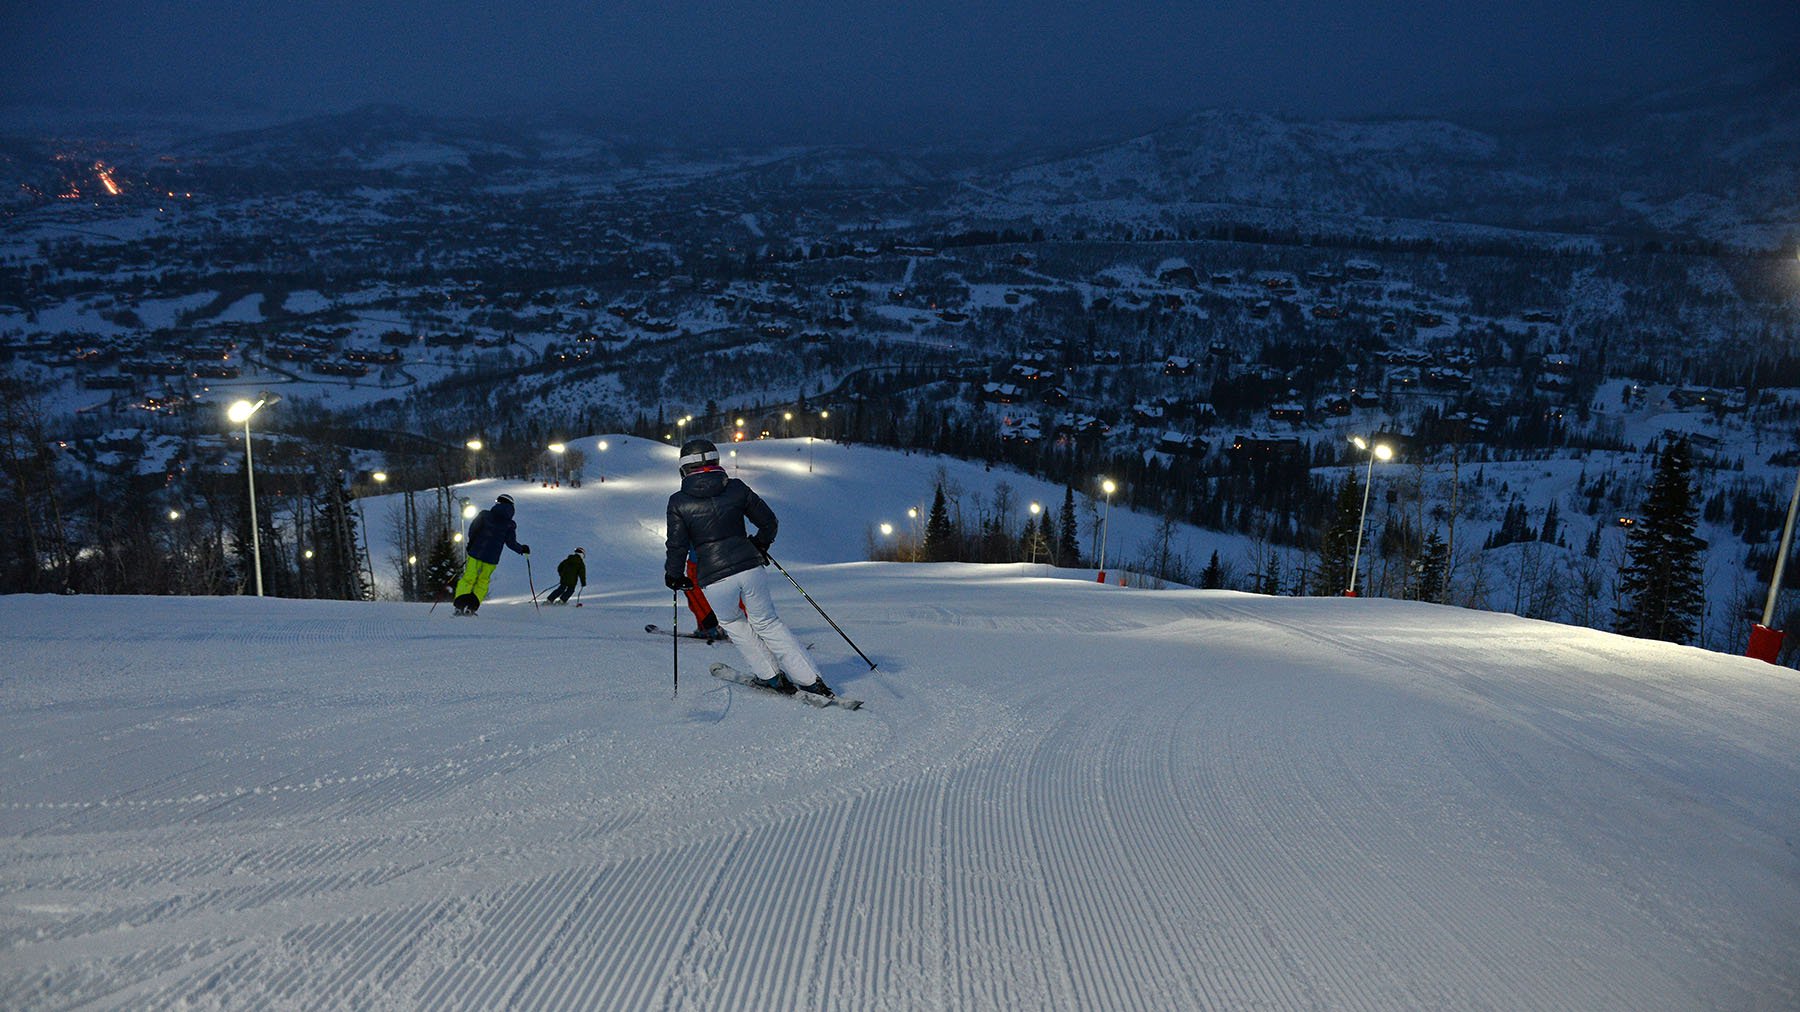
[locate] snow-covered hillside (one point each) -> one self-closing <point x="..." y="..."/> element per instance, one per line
<point x="1058" y="795"/>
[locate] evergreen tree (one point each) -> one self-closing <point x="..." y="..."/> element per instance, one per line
<point x="1433" y="568"/>
<point x="1338" y="545"/>
<point x="335" y="569"/>
<point x="1270" y="582"/>
<point x="1046" y="538"/>
<point x="1068" y="547"/>
<point x="442" y="568"/>
<point x="940" y="537"/>
<point x="1213" y="576"/>
<point x="1661" y="586"/>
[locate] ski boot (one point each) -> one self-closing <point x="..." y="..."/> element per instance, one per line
<point x="779" y="683"/>
<point x="818" y="688"/>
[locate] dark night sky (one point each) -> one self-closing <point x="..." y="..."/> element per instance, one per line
<point x="783" y="66"/>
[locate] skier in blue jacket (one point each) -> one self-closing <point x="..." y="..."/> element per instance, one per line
<point x="492" y="529"/>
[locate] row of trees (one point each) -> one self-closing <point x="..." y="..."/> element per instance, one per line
<point x="1657" y="591"/>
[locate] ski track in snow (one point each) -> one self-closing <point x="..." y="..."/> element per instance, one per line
<point x="1058" y="796"/>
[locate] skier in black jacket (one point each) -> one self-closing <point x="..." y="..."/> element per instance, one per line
<point x="567" y="572"/>
<point x="707" y="516"/>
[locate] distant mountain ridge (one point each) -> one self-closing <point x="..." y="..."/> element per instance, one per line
<point x="1721" y="165"/>
<point x="1716" y="160"/>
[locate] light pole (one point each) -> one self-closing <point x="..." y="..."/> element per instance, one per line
<point x="474" y="446"/>
<point x="380" y="479"/>
<point x="1107" y="486"/>
<point x="823" y="415"/>
<point x="1037" y="537"/>
<point x="1380" y="451"/>
<point x="557" y="450"/>
<point x="239" y="413"/>
<point x="469" y="513"/>
<point x="1765" y="641"/>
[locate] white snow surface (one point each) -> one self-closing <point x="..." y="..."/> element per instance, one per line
<point x="1059" y="795"/>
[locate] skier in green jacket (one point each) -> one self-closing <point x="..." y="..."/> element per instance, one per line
<point x="568" y="571"/>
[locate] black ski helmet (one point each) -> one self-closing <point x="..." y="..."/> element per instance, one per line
<point x="503" y="497"/>
<point x="696" y="454"/>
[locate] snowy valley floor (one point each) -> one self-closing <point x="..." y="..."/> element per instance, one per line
<point x="1058" y="796"/>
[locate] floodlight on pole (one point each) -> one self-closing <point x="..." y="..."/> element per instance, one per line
<point x="1107" y="486"/>
<point x="887" y="530"/>
<point x="380" y="479"/>
<point x="174" y="515"/>
<point x="1380" y="451"/>
<point x="239" y="414"/>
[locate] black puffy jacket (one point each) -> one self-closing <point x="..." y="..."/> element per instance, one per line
<point x="492" y="530"/>
<point x="707" y="515"/>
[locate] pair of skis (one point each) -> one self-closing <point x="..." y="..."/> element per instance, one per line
<point x="726" y="672"/>
<point x="716" y="636"/>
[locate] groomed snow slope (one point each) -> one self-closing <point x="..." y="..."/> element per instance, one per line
<point x="1059" y="795"/>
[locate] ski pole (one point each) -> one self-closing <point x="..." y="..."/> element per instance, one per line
<point x="675" y="638"/>
<point x="821" y="611"/>
<point x="529" y="582"/>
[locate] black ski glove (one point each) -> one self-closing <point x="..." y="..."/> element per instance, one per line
<point x="762" y="549"/>
<point x="524" y="549"/>
<point x="677" y="582"/>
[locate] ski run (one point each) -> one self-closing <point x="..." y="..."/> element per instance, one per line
<point x="1060" y="794"/>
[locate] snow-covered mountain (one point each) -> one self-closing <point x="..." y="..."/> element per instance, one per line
<point x="1715" y="160"/>
<point x="1059" y="794"/>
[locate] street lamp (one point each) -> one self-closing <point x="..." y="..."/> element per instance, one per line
<point x="380" y="479"/>
<point x="239" y="413"/>
<point x="474" y="447"/>
<point x="558" y="449"/>
<point x="1380" y="451"/>
<point x="1107" y="486"/>
<point x="600" y="470"/>
<point x="1037" y="536"/>
<point x="1765" y="642"/>
<point x="469" y="512"/>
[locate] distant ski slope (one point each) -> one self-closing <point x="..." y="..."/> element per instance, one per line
<point x="1058" y="795"/>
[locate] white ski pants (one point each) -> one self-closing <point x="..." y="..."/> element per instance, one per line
<point x="765" y="641"/>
